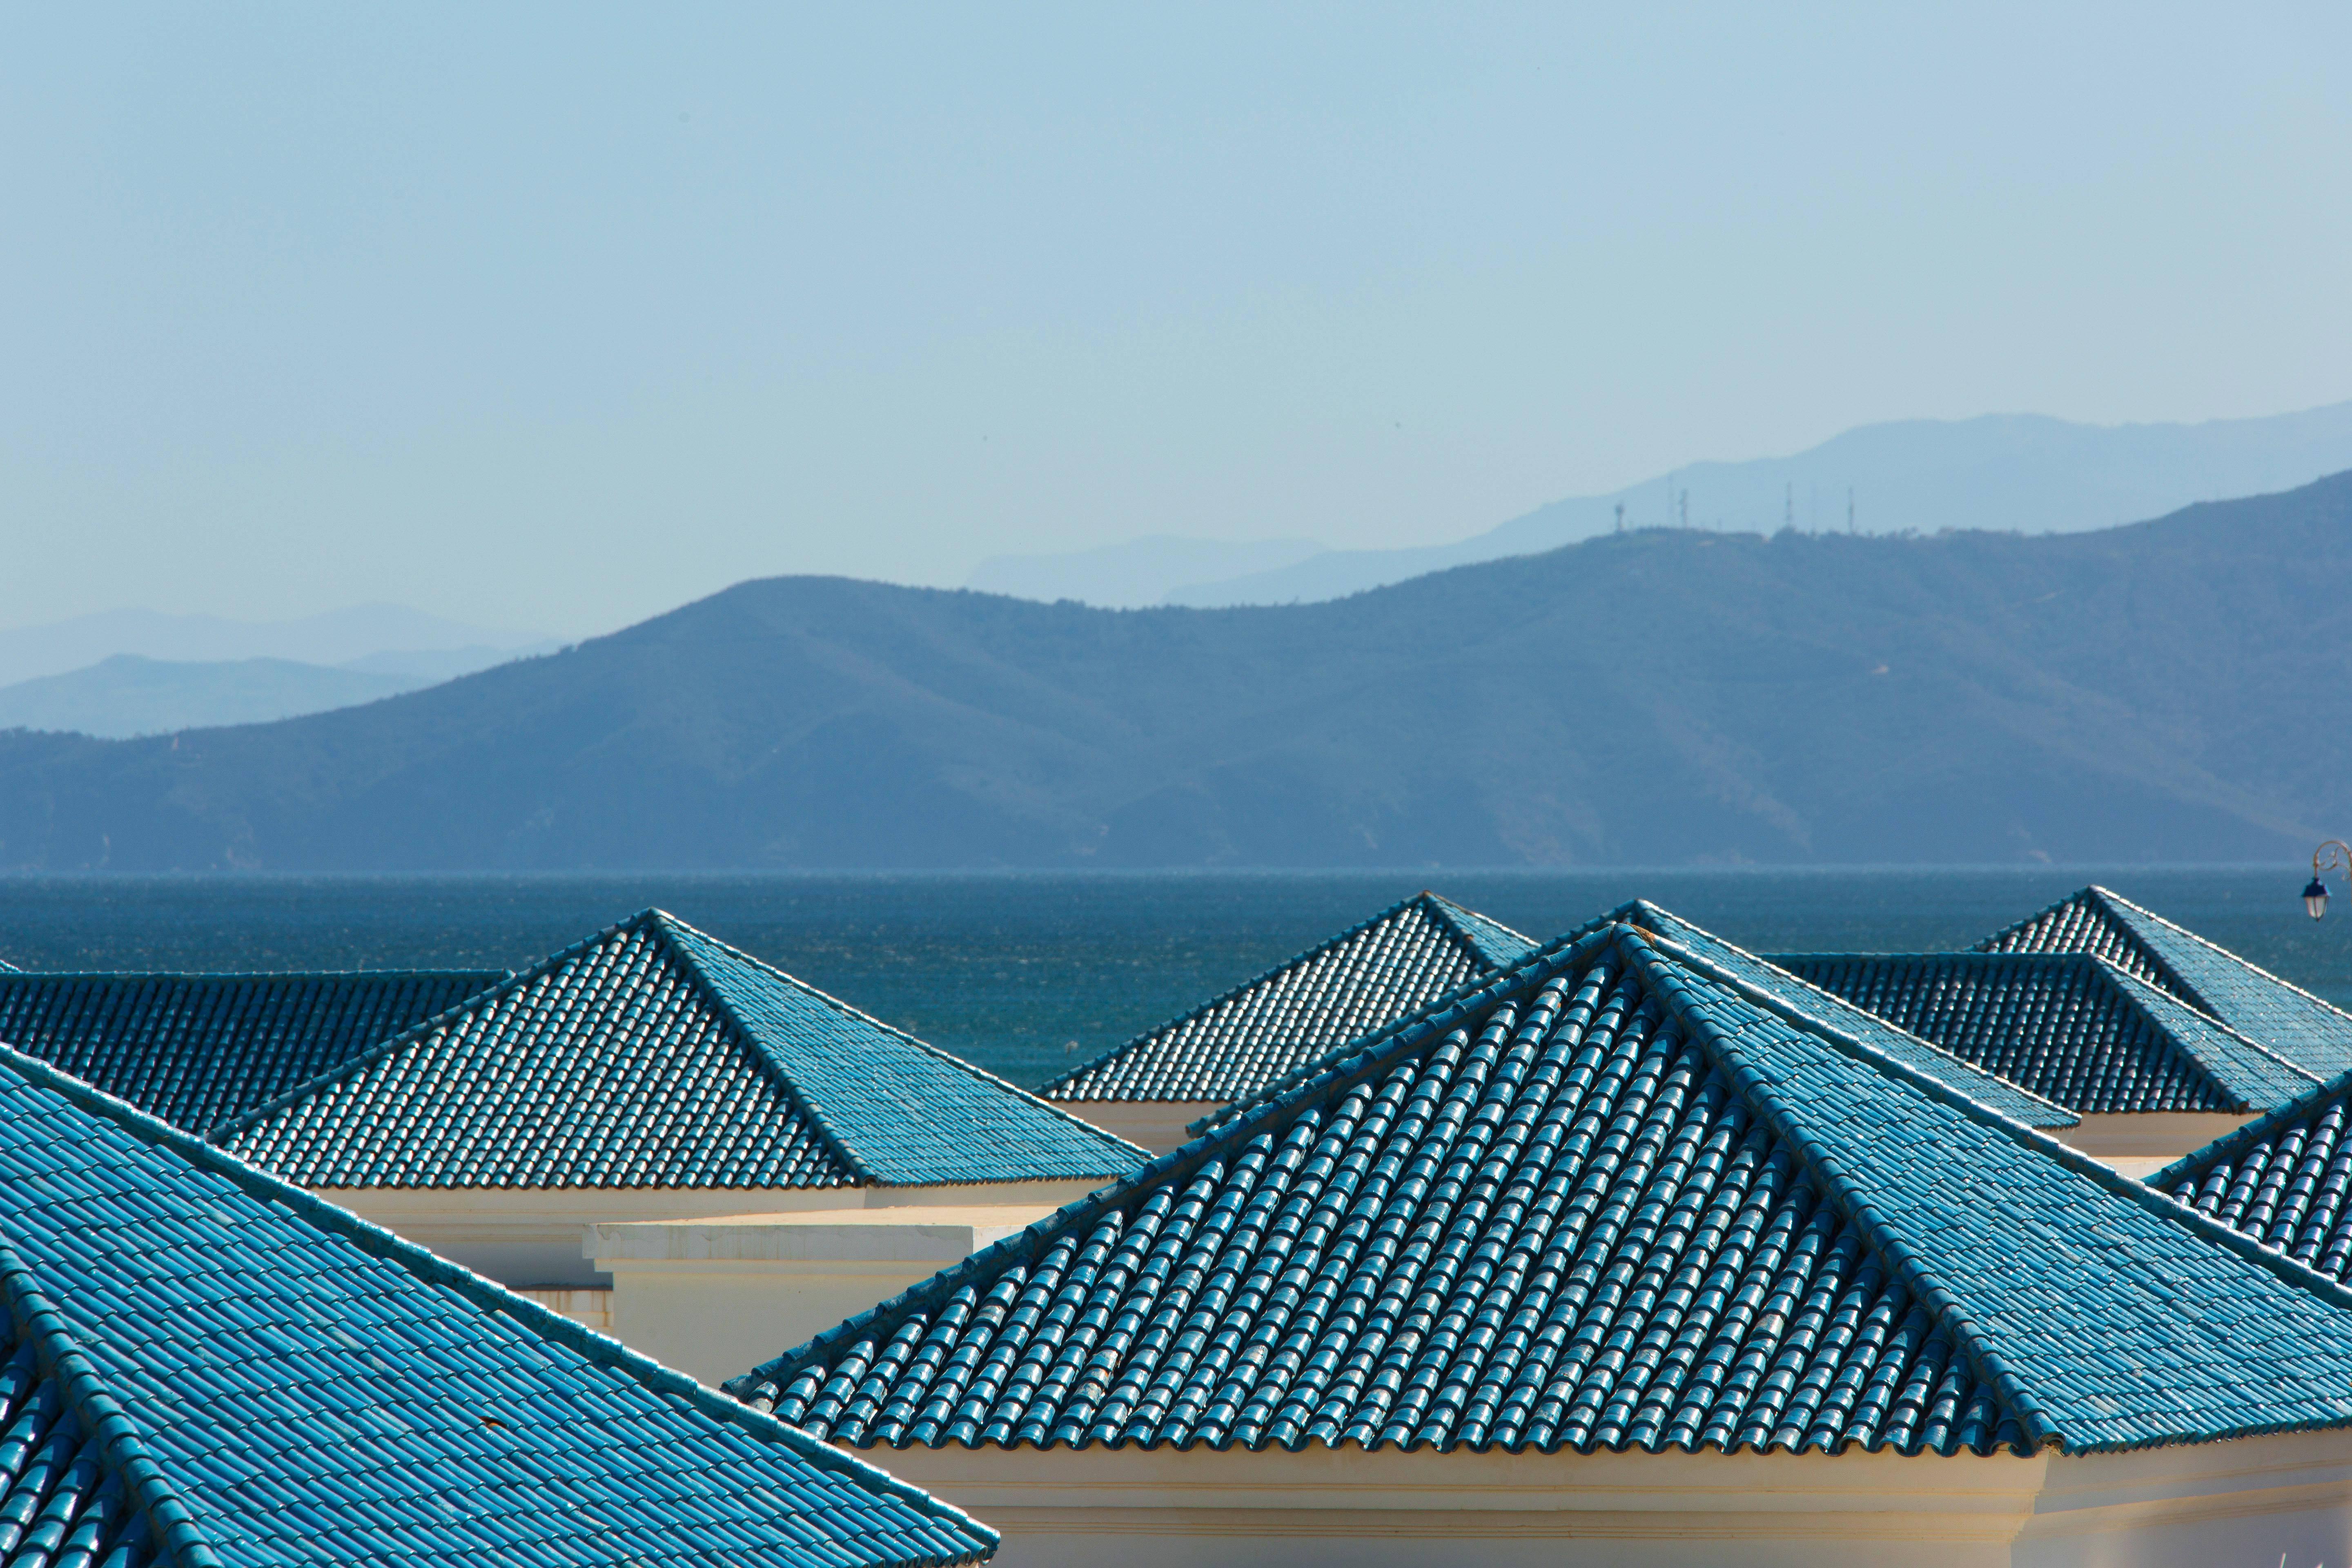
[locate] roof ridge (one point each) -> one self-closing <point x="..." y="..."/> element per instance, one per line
<point x="1461" y="921"/>
<point x="178" y="1538"/>
<point x="667" y="926"/>
<point x="1332" y="1075"/>
<point x="1214" y="1003"/>
<point x="485" y="1294"/>
<point x="1902" y="1259"/>
<point x="1470" y="991"/>
<point x="2219" y="951"/>
<point x="2095" y="897"/>
<point x="2132" y="985"/>
<point x="416" y="1032"/>
<point x="808" y="1107"/>
<point x="2140" y="1192"/>
<point x="1795" y="1012"/>
<point x="2252" y="1131"/>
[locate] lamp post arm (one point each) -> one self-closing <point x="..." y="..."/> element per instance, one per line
<point x="2332" y="854"/>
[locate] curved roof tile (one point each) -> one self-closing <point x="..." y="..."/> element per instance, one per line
<point x="2070" y="1027"/>
<point x="1366" y="978"/>
<point x="202" y="1366"/>
<point x="2283" y="1017"/>
<point x="1617" y="1197"/>
<point x="653" y="1055"/>
<point x="2282" y="1179"/>
<point x="200" y="1049"/>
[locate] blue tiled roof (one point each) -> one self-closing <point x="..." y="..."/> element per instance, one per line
<point x="2257" y="1003"/>
<point x="1842" y="1016"/>
<point x="201" y="1365"/>
<point x="653" y="1055"/>
<point x="1366" y="978"/>
<point x="2069" y="1025"/>
<point x="198" y="1049"/>
<point x="1617" y="1197"/>
<point x="2280" y="1179"/>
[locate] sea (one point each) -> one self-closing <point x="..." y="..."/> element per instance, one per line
<point x="1029" y="974"/>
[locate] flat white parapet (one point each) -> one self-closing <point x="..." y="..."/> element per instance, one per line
<point x="718" y="1295"/>
<point x="899" y="1234"/>
<point x="1158" y="1125"/>
<point x="530" y="1238"/>
<point x="2251" y="1503"/>
<point x="2140" y="1144"/>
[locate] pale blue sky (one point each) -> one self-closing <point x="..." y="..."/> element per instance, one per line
<point x="555" y="317"/>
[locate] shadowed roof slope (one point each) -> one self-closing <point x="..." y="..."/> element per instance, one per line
<point x="1614" y="1198"/>
<point x="653" y="1055"/>
<point x="2284" y="1018"/>
<point x="2282" y="1179"/>
<point x="202" y="1365"/>
<point x="1363" y="980"/>
<point x="2068" y="1025"/>
<point x="198" y="1049"/>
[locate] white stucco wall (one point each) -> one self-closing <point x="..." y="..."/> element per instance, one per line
<point x="2143" y="1142"/>
<point x="1154" y="1124"/>
<point x="2255" y="1502"/>
<point x="718" y="1296"/>
<point x="531" y="1237"/>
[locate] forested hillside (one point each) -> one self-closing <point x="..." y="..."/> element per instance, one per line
<point x="2171" y="690"/>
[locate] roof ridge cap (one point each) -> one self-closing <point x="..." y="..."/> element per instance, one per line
<point x="1375" y="1053"/>
<point x="1782" y="1005"/>
<point x="178" y="1537"/>
<point x="665" y="927"/>
<point x="416" y="1033"/>
<point x="2237" y="958"/>
<point x="1852" y="1043"/>
<point x="1489" y="986"/>
<point x="2142" y="1192"/>
<point x="1293" y="961"/>
<point x="483" y="1293"/>
<point x="2131" y="985"/>
<point x="2231" y="1142"/>
<point x="1918" y="1278"/>
<point x="2112" y="906"/>
<point x="2107" y="972"/>
<point x="936" y="1053"/>
<point x="1451" y="916"/>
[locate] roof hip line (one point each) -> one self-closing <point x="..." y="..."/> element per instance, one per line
<point x="661" y="921"/>
<point x="179" y="1540"/>
<point x="547" y="1322"/>
<point x="1916" y="1278"/>
<point x="2147" y="1196"/>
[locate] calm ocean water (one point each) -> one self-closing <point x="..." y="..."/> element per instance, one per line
<point x="1027" y="973"/>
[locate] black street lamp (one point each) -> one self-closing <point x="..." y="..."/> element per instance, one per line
<point x="2331" y="856"/>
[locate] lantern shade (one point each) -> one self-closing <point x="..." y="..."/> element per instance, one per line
<point x="2314" y="898"/>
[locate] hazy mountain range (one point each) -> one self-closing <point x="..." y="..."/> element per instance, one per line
<point x="142" y="672"/>
<point x="2021" y="472"/>
<point x="2171" y="690"/>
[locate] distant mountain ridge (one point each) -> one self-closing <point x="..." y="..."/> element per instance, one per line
<point x="2166" y="691"/>
<point x="124" y="695"/>
<point x="2028" y="473"/>
<point x="383" y="639"/>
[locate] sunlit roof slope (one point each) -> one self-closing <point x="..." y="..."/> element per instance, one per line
<point x="2070" y="1027"/>
<point x="201" y="1365"/>
<point x="199" y="1049"/>
<point x="1397" y="961"/>
<point x="653" y="1055"/>
<point x="2209" y="977"/>
<point x="2282" y="1179"/>
<point x="1618" y="1197"/>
